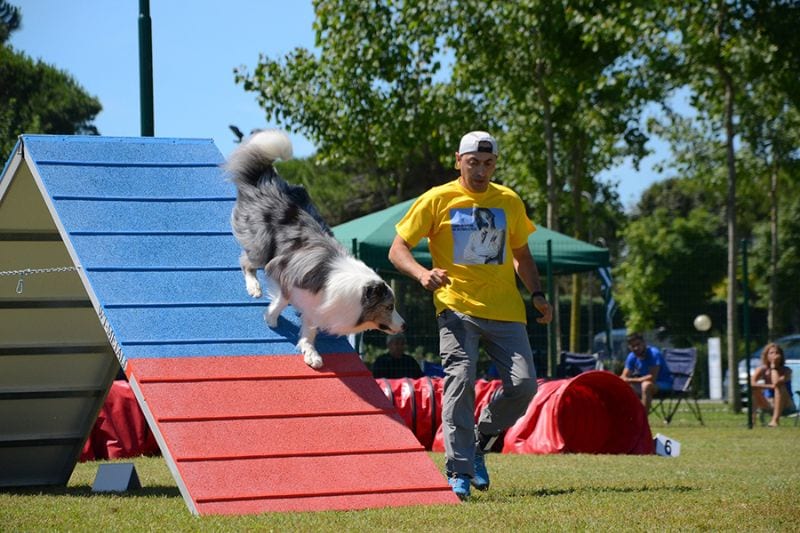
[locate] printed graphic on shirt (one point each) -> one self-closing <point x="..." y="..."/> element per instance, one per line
<point x="479" y="236"/>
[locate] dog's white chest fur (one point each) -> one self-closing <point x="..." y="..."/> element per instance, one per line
<point x="338" y="307"/>
<point x="334" y="314"/>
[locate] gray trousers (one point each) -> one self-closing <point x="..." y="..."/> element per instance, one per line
<point x="508" y="345"/>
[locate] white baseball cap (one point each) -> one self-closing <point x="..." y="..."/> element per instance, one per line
<point x="477" y="141"/>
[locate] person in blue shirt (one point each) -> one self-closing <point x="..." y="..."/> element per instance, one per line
<point x="645" y="370"/>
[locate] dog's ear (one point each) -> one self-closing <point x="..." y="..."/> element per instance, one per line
<point x="375" y="292"/>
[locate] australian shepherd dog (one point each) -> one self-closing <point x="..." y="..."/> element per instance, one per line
<point x="280" y="230"/>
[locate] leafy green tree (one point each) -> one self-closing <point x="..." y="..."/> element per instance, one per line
<point x="771" y="127"/>
<point x="330" y="188"/>
<point x="377" y="95"/>
<point x="38" y="98"/>
<point x="775" y="256"/>
<point x="566" y="93"/>
<point x="371" y="99"/>
<point x="562" y="82"/>
<point x="559" y="80"/>
<point x="10" y="20"/>
<point x="659" y="282"/>
<point x="715" y="48"/>
<point x="696" y="157"/>
<point x="554" y="80"/>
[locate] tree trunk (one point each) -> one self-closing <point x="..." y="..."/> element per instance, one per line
<point x="552" y="207"/>
<point x="549" y="142"/>
<point x="773" y="248"/>
<point x="732" y="322"/>
<point x="730" y="216"/>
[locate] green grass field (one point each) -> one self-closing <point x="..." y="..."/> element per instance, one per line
<point x="727" y="478"/>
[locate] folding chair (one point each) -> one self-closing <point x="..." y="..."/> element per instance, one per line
<point x="571" y="364"/>
<point x="793" y="414"/>
<point x="681" y="363"/>
<point x="796" y="413"/>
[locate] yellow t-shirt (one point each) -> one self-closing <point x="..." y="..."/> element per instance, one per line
<point x="472" y="235"/>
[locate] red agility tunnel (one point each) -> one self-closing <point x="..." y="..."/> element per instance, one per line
<point x="120" y="430"/>
<point x="594" y="412"/>
<point x="419" y="404"/>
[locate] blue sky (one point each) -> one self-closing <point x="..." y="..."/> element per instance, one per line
<point x="196" y="46"/>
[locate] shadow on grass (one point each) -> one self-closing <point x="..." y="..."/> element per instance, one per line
<point x="84" y="491"/>
<point x="539" y="493"/>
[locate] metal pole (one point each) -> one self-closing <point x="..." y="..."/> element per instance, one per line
<point x="746" y="320"/>
<point x="357" y="338"/>
<point x="145" y="70"/>
<point x="551" y="331"/>
<point x="609" y="334"/>
<point x="590" y="318"/>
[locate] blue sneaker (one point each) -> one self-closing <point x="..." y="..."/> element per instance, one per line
<point x="460" y="485"/>
<point x="481" y="479"/>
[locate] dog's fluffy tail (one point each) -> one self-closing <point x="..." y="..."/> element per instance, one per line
<point x="248" y="163"/>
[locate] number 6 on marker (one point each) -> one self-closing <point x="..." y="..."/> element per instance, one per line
<point x="666" y="446"/>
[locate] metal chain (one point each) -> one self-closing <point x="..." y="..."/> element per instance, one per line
<point x="31" y="271"/>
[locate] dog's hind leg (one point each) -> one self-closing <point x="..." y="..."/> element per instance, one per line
<point x="250" y="279"/>
<point x="306" y="345"/>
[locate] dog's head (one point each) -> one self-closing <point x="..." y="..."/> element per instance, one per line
<point x="377" y="309"/>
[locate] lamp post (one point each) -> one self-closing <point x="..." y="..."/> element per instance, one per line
<point x="590" y="277"/>
<point x="145" y="70"/>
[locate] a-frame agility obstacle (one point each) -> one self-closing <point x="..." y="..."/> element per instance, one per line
<point x="122" y="247"/>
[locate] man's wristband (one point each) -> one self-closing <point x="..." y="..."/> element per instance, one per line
<point x="534" y="294"/>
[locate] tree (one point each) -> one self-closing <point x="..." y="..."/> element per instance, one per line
<point x="771" y="125"/>
<point x="566" y="92"/>
<point x="377" y="96"/>
<point x="555" y="81"/>
<point x="38" y="98"/>
<point x="371" y="98"/>
<point x="659" y="282"/>
<point x="723" y="51"/>
<point x="776" y="278"/>
<point x="10" y="20"/>
<point x="707" y="47"/>
<point x="330" y="188"/>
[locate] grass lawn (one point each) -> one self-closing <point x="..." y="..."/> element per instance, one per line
<point x="727" y="478"/>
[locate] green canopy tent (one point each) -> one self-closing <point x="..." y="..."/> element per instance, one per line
<point x="371" y="236"/>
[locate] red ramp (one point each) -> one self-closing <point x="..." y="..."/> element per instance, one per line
<point x="267" y="433"/>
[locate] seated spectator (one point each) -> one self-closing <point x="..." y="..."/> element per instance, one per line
<point x="396" y="363"/>
<point x="645" y="370"/>
<point x="772" y="385"/>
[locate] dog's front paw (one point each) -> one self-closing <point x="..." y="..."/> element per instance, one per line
<point x="310" y="354"/>
<point x="313" y="360"/>
<point x="253" y="288"/>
